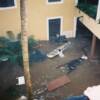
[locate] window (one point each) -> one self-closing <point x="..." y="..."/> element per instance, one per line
<point x="55" y="1"/>
<point x="6" y="4"/>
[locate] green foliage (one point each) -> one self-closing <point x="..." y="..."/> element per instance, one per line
<point x="31" y="43"/>
<point x="88" y="8"/>
<point x="12" y="91"/>
<point x="3" y="41"/>
<point x="13" y="50"/>
<point x="10" y="35"/>
<point x="19" y="36"/>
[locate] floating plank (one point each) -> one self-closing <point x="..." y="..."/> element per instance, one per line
<point x="58" y="83"/>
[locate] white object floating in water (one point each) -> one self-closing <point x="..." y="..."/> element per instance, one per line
<point x="23" y="98"/>
<point x="4" y="58"/>
<point x="60" y="53"/>
<point x="84" y="57"/>
<point x="21" y="80"/>
<point x="56" y="51"/>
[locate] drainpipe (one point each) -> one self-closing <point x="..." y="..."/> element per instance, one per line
<point x="98" y="13"/>
<point x="93" y="47"/>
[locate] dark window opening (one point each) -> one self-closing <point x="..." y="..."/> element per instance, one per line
<point x="93" y="2"/>
<point x="89" y="7"/>
<point x="54" y="0"/>
<point x="7" y="3"/>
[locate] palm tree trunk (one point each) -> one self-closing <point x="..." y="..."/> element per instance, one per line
<point x="24" y="41"/>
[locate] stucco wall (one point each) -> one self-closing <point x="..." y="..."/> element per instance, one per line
<point x="38" y="12"/>
<point x="10" y="20"/>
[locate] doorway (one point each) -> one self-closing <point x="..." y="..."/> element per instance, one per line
<point x="54" y="27"/>
<point x="84" y="36"/>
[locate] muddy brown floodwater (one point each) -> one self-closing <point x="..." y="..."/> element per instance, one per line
<point x="85" y="75"/>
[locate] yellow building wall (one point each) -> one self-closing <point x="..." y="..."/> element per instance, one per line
<point x="10" y="20"/>
<point x="38" y="12"/>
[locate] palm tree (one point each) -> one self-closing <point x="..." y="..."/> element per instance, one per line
<point x="24" y="41"/>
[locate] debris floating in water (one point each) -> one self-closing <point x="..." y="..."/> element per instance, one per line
<point x="72" y="65"/>
<point x="22" y="98"/>
<point x="56" y="83"/>
<point x="59" y="51"/>
<point x="21" y="80"/>
<point x="40" y="91"/>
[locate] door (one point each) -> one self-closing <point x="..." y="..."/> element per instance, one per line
<point x="54" y="27"/>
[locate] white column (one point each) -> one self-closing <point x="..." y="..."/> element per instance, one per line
<point x="76" y="2"/>
<point x="75" y="26"/>
<point x="98" y="13"/>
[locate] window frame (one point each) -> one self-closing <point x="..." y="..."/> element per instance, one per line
<point x="55" y="2"/>
<point x="11" y="7"/>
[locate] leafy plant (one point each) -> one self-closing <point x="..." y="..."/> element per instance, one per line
<point x="3" y="42"/>
<point x="31" y="43"/>
<point x="13" y="50"/>
<point x="12" y="91"/>
<point x="10" y="35"/>
<point x="88" y="8"/>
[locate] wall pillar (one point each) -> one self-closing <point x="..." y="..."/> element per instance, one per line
<point x="93" y="47"/>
